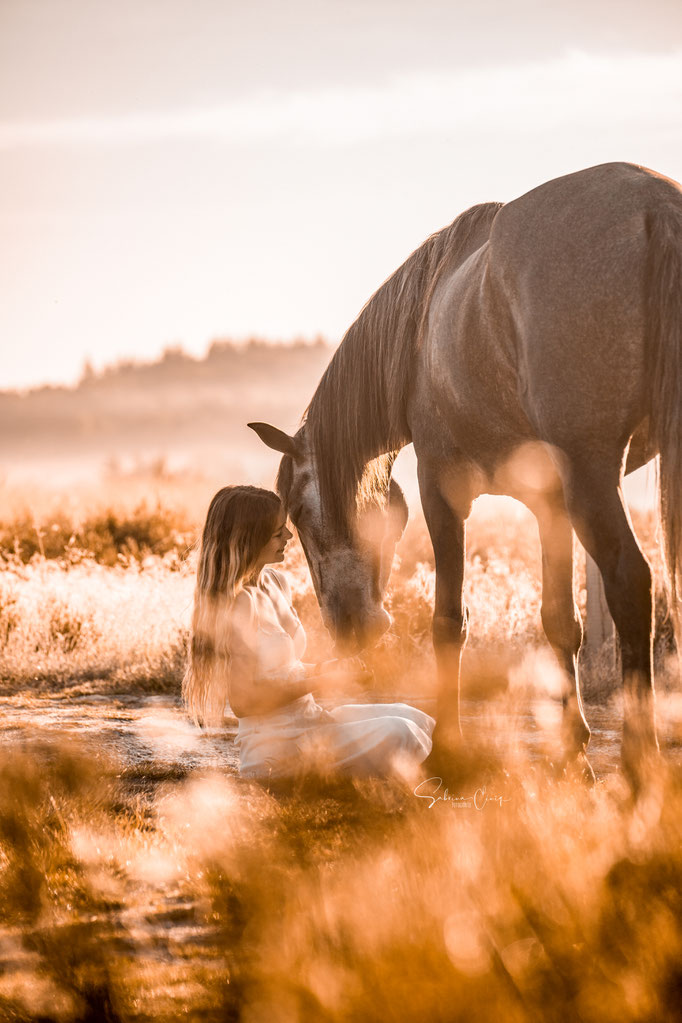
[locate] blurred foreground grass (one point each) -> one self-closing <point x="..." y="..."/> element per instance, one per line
<point x="145" y="894"/>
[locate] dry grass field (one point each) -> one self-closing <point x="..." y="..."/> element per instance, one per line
<point x="142" y="879"/>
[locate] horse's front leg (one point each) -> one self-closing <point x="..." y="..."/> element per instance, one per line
<point x="562" y="624"/>
<point x="446" y="501"/>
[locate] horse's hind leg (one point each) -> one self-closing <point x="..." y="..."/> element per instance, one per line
<point x="561" y="619"/>
<point x="597" y="510"/>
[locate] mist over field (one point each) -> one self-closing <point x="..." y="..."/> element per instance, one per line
<point x="180" y="416"/>
<point x="182" y="411"/>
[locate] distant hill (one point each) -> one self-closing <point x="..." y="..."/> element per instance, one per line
<point x="177" y="403"/>
<point x="178" y="413"/>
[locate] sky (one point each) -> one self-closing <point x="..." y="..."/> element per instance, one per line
<point x="173" y="171"/>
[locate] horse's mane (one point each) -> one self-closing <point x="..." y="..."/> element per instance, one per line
<point x="356" y="421"/>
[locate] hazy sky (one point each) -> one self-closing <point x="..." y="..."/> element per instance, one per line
<point x="176" y="170"/>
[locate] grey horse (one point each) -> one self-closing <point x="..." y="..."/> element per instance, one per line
<point x="534" y="349"/>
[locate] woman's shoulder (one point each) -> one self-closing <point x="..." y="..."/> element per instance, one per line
<point x="244" y="623"/>
<point x="279" y="579"/>
<point x="243" y="609"/>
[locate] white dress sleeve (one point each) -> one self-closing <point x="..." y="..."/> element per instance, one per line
<point x="282" y="582"/>
<point x="261" y="650"/>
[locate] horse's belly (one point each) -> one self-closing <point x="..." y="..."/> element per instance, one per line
<point x="466" y="396"/>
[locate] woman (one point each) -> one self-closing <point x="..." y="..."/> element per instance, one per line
<point x="246" y="649"/>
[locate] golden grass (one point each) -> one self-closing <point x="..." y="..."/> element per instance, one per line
<point x="67" y="622"/>
<point x="103" y="593"/>
<point x="133" y="896"/>
<point x="139" y="889"/>
<point x="107" y="535"/>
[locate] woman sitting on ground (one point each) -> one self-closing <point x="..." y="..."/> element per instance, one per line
<point x="246" y="649"/>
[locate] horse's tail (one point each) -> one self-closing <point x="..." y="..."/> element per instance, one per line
<point x="665" y="332"/>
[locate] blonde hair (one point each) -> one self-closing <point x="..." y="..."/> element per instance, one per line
<point x="239" y="523"/>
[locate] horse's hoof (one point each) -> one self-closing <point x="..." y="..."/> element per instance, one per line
<point x="459" y="767"/>
<point x="587" y="774"/>
<point x="643" y="770"/>
<point x="440" y="764"/>
<point x="577" y="768"/>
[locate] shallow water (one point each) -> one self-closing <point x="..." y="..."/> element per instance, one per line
<point x="136" y="728"/>
<point x="153" y="729"/>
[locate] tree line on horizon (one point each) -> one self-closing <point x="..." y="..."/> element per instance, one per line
<point x="178" y="396"/>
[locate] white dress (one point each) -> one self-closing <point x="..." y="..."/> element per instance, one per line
<point x="360" y="739"/>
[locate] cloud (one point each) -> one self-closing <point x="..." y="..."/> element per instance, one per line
<point x="577" y="88"/>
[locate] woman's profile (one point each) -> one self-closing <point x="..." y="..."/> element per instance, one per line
<point x="247" y="647"/>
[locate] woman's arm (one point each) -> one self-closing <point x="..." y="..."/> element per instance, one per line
<point x="248" y="694"/>
<point x="336" y="675"/>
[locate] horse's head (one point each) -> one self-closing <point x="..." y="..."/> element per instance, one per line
<point x="350" y="568"/>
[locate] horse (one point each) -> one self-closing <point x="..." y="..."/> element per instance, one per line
<point x="530" y="348"/>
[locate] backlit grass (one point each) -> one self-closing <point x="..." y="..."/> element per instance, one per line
<point x="139" y="888"/>
<point x="132" y="895"/>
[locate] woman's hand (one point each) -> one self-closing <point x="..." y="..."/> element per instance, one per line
<point x="346" y="666"/>
<point x="354" y="669"/>
<point x="340" y="673"/>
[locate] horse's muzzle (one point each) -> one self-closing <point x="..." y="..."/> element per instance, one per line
<point x="352" y="633"/>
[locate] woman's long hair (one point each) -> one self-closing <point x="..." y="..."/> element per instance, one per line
<point x="240" y="522"/>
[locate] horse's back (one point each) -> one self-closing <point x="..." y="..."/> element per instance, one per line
<point x="570" y="260"/>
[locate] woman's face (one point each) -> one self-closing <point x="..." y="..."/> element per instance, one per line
<point x="274" y="548"/>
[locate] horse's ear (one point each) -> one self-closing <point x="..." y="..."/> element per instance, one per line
<point x="398" y="513"/>
<point x="276" y="439"/>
